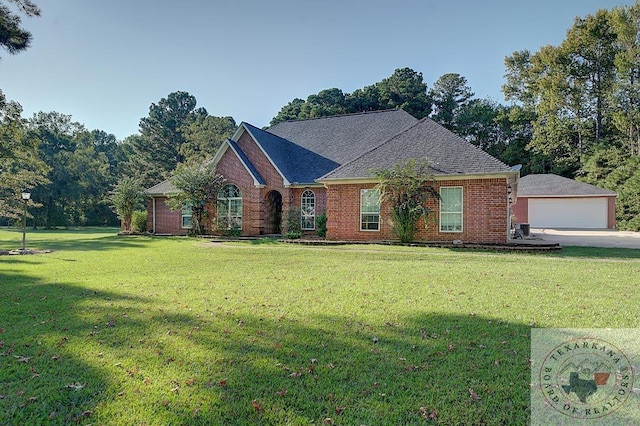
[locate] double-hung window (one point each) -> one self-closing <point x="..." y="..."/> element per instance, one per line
<point x="451" y="209"/>
<point x="187" y="216"/>
<point x="369" y="210"/>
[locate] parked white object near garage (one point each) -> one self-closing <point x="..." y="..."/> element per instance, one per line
<point x="552" y="201"/>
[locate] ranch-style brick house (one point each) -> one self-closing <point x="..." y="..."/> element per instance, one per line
<point x="324" y="165"/>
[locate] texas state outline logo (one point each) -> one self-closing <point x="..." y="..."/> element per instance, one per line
<point x="586" y="378"/>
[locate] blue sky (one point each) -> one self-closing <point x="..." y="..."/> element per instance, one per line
<point x="105" y="62"/>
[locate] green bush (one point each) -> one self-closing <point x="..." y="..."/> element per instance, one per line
<point x="293" y="235"/>
<point x="232" y="232"/>
<point x="293" y="223"/>
<point x="139" y="221"/>
<point x="321" y="225"/>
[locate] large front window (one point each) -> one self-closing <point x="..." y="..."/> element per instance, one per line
<point x="308" y="207"/>
<point x="451" y="209"/>
<point x="229" y="207"/>
<point x="369" y="210"/>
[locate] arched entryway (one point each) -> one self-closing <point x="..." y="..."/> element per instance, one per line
<point x="273" y="212"/>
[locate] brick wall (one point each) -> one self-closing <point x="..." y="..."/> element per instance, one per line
<point x="167" y="220"/>
<point x="521" y="210"/>
<point x="484" y="214"/>
<point x="611" y="212"/>
<point x="254" y="214"/>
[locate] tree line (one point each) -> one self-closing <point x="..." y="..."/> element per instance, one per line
<point x="573" y="110"/>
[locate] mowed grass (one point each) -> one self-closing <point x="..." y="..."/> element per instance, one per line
<point x="155" y="331"/>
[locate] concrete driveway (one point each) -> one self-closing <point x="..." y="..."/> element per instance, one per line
<point x="589" y="237"/>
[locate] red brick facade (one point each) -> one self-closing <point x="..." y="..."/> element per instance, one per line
<point x="484" y="205"/>
<point x="167" y="221"/>
<point x="484" y="214"/>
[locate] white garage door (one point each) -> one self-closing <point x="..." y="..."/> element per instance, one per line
<point x="568" y="212"/>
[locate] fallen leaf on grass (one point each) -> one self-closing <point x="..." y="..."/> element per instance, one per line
<point x="75" y="386"/>
<point x="283" y="392"/>
<point x="428" y="413"/>
<point x="222" y="383"/>
<point x="52" y="415"/>
<point x="256" y="405"/>
<point x="190" y="382"/>
<point x="339" y="410"/>
<point x="21" y="358"/>
<point x="474" y="395"/>
<point x="295" y="375"/>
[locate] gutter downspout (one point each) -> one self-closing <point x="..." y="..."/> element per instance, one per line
<point x="512" y="185"/>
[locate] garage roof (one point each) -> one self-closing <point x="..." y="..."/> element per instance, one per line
<point x="550" y="185"/>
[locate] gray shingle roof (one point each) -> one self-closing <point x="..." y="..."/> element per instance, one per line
<point x="296" y="163"/>
<point x="344" y="138"/>
<point x="446" y="153"/>
<point x="551" y="185"/>
<point x="163" y="188"/>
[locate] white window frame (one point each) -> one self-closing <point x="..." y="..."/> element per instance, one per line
<point x="186" y="214"/>
<point x="308" y="210"/>
<point x="369" y="213"/>
<point x="444" y="214"/>
<point x="233" y="221"/>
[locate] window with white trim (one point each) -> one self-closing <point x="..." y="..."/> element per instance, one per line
<point x="308" y="209"/>
<point x="187" y="217"/>
<point x="229" y="207"/>
<point x="369" y="210"/>
<point x="451" y="209"/>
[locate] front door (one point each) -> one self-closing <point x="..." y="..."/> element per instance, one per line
<point x="273" y="212"/>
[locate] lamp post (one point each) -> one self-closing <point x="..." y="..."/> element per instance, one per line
<point x="26" y="195"/>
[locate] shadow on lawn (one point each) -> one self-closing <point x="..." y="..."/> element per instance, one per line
<point x="74" y="355"/>
<point x="71" y="354"/>
<point x="36" y="324"/>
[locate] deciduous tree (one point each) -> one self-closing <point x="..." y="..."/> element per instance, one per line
<point x="125" y="198"/>
<point x="197" y="185"/>
<point x="406" y="187"/>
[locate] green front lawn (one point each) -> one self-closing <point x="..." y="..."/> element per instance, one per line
<point x="143" y="330"/>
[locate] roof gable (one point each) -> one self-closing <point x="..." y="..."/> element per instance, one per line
<point x="550" y="185"/>
<point x="296" y="164"/>
<point x="446" y="153"/>
<point x="344" y="138"/>
<point x="258" y="180"/>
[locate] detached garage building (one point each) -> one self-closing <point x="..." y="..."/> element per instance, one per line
<point x="552" y="201"/>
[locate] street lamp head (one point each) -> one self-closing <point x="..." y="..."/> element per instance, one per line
<point x="26" y="194"/>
